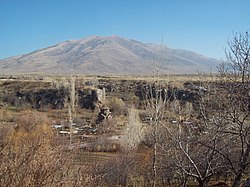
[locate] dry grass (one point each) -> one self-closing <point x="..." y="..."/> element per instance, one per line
<point x="91" y="157"/>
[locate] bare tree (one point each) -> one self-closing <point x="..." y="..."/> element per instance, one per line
<point x="113" y="172"/>
<point x="71" y="106"/>
<point x="28" y="158"/>
<point x="133" y="133"/>
<point x="190" y="157"/>
<point x="238" y="57"/>
<point x="227" y="109"/>
<point x="156" y="101"/>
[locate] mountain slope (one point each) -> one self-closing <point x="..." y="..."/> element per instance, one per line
<point x="107" y="55"/>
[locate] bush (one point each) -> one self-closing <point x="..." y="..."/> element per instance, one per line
<point x="116" y="105"/>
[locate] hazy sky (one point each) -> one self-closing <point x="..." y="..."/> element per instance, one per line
<point x="203" y="26"/>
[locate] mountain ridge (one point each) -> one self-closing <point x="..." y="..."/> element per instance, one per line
<point x="107" y="55"/>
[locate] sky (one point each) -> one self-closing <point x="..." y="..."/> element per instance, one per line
<point x="202" y="26"/>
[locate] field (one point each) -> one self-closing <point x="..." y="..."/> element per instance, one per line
<point x="76" y="130"/>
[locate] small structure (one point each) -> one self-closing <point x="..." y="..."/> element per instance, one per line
<point x="104" y="114"/>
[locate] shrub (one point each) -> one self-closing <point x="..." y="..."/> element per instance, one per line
<point x="116" y="105"/>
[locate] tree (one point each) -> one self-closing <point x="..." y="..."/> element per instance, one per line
<point x="156" y="100"/>
<point x="113" y="172"/>
<point x="227" y="108"/>
<point x="71" y="107"/>
<point x="238" y="57"/>
<point x="133" y="133"/>
<point x="185" y="147"/>
<point x="28" y="158"/>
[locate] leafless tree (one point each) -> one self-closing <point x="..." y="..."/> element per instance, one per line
<point x="71" y="106"/>
<point x="156" y="101"/>
<point x="29" y="159"/>
<point x="113" y="172"/>
<point x="133" y="132"/>
<point x="190" y="157"/>
<point x="238" y="57"/>
<point x="227" y="109"/>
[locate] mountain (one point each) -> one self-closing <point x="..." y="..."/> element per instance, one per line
<point x="108" y="55"/>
